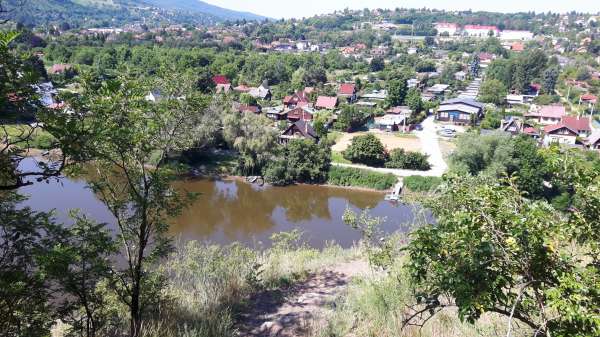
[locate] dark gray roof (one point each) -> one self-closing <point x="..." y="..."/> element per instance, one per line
<point x="466" y="101"/>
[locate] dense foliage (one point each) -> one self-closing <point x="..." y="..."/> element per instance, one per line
<point x="348" y="176"/>
<point x="366" y="149"/>
<point x="302" y="161"/>
<point x="408" y="160"/>
<point x="494" y="250"/>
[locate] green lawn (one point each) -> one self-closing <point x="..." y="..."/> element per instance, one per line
<point x="334" y="136"/>
<point x="337" y="157"/>
<point x="40" y="139"/>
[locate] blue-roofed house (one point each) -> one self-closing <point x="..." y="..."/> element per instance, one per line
<point x="460" y="111"/>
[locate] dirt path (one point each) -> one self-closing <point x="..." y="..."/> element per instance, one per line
<point x="289" y="313"/>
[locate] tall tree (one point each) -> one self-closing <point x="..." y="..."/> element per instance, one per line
<point x="134" y="140"/>
<point x="550" y="77"/>
<point x="396" y="90"/>
<point x="492" y="91"/>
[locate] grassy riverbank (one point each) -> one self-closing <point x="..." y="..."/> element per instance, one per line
<point x="348" y="176"/>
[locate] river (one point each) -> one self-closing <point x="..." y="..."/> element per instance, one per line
<point x="226" y="211"/>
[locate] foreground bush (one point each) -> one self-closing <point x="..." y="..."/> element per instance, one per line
<point x="348" y="176"/>
<point x="366" y="150"/>
<point x="421" y="184"/>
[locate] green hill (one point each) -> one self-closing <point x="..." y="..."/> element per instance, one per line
<point x="103" y="13"/>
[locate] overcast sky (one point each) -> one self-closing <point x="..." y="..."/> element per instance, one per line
<point x="305" y="8"/>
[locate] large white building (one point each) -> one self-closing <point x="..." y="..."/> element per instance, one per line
<point x="481" y="31"/>
<point x="445" y="27"/>
<point x="522" y="35"/>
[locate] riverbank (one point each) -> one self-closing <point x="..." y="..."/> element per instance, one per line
<point x="352" y="188"/>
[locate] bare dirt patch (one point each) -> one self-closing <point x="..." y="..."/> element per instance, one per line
<point x="291" y="312"/>
<point x="389" y="140"/>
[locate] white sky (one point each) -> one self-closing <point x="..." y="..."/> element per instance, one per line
<point x="305" y="8"/>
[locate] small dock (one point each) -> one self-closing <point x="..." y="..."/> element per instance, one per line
<point x="395" y="195"/>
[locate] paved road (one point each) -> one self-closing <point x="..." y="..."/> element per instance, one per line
<point x="430" y="145"/>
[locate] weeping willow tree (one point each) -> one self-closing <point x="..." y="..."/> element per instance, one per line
<point x="253" y="137"/>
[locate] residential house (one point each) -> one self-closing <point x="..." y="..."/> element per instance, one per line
<point x="242" y="88"/>
<point x="412" y="83"/>
<point x="589" y="99"/>
<point x="376" y="95"/>
<point x="460" y="111"/>
<point x="59" y="68"/>
<point x="438" y="90"/>
<point x="300" y="98"/>
<point x="547" y="114"/>
<point x="460" y="76"/>
<point x="444" y="28"/>
<point x="516" y="126"/>
<point x="256" y="109"/>
<point x="390" y="122"/>
<point x="583" y="125"/>
<point x="220" y="79"/>
<point x="263" y="92"/>
<point x="277" y="113"/>
<point x="325" y="102"/>
<point x="300" y="113"/>
<point x="593" y="141"/>
<point x="154" y="96"/>
<point x="559" y="133"/>
<point x="517" y="47"/>
<point x="399" y="110"/>
<point x="299" y="130"/>
<point x="348" y="91"/>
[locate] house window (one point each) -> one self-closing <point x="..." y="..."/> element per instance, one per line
<point x="443" y="115"/>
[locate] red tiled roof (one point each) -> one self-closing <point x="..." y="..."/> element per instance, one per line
<point x="398" y="109"/>
<point x="300" y="114"/>
<point x="517" y="46"/>
<point x="552" y="128"/>
<point x="347" y="89"/>
<point x="589" y="98"/>
<point x="326" y="102"/>
<point x="530" y="131"/>
<point x="552" y="111"/>
<point x="299" y="97"/>
<point x="242" y="88"/>
<point x="249" y="108"/>
<point x="576" y="123"/>
<point x="220" y="79"/>
<point x="59" y="68"/>
<point x="535" y="86"/>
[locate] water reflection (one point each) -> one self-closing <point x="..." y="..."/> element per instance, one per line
<point x="231" y="210"/>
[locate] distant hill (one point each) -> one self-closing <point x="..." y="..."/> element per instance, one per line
<point x="102" y="13"/>
<point x="203" y="7"/>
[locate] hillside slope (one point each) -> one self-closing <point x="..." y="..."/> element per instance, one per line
<point x="103" y="13"/>
<point x="203" y="7"/>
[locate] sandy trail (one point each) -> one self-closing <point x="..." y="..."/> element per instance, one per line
<point x="291" y="312"/>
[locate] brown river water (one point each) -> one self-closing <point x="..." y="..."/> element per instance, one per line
<point x="227" y="211"/>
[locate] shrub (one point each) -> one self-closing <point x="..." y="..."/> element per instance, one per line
<point x="276" y="173"/>
<point x="366" y="150"/>
<point x="408" y="160"/>
<point x="347" y="176"/>
<point x="421" y="184"/>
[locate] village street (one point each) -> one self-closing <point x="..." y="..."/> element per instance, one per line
<point x="429" y="144"/>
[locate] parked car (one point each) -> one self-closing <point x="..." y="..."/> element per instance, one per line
<point x="419" y="127"/>
<point x="447" y="133"/>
